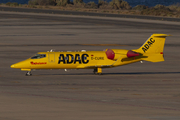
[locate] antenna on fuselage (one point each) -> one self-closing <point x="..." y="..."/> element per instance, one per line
<point x="52" y="50"/>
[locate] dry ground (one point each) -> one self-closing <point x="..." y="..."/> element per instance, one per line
<point x="148" y="91"/>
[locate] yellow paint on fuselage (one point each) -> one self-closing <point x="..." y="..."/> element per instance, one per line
<point x="151" y="50"/>
<point x="93" y="58"/>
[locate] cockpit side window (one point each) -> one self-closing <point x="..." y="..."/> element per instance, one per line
<point x="38" y="56"/>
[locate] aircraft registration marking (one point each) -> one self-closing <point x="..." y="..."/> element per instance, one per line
<point x="97" y="58"/>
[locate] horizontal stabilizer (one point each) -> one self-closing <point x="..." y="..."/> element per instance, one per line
<point x="154" y="58"/>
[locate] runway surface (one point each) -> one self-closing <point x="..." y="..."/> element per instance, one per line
<point x="148" y="91"/>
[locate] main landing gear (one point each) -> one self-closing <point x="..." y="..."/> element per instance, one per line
<point x="98" y="71"/>
<point x="28" y="73"/>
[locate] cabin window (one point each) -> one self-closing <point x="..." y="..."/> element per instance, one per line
<point x="66" y="58"/>
<point x="79" y="58"/>
<point x="38" y="56"/>
<point x="72" y="57"/>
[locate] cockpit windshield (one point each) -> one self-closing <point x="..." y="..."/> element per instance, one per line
<point x="38" y="56"/>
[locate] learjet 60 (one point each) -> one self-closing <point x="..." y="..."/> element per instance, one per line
<point x="151" y="50"/>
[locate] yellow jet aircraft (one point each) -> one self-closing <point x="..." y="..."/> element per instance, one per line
<point x="151" y="50"/>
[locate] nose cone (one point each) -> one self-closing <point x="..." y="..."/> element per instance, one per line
<point x="21" y="65"/>
<point x="15" y="65"/>
<point x="12" y="66"/>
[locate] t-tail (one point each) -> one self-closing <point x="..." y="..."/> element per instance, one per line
<point x="152" y="49"/>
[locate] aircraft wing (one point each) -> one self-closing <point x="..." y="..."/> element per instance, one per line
<point x="96" y="66"/>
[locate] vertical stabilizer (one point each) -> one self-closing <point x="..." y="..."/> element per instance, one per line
<point x="153" y="48"/>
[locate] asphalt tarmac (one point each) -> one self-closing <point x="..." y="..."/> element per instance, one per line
<point x="138" y="91"/>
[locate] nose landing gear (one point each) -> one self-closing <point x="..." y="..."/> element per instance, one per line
<point x="28" y="73"/>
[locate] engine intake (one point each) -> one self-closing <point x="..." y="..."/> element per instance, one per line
<point x="110" y="54"/>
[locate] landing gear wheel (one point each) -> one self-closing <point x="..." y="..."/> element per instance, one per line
<point x="28" y="73"/>
<point x="98" y="71"/>
<point x="95" y="71"/>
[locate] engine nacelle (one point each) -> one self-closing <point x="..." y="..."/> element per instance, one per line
<point x="131" y="53"/>
<point x="114" y="54"/>
<point x="110" y="54"/>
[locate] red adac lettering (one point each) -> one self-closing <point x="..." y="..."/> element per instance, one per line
<point x="38" y="63"/>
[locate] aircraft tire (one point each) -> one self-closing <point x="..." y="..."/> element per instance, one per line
<point x="99" y="73"/>
<point x="28" y="73"/>
<point x="95" y="71"/>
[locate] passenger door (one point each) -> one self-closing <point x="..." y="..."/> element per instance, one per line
<point x="51" y="57"/>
